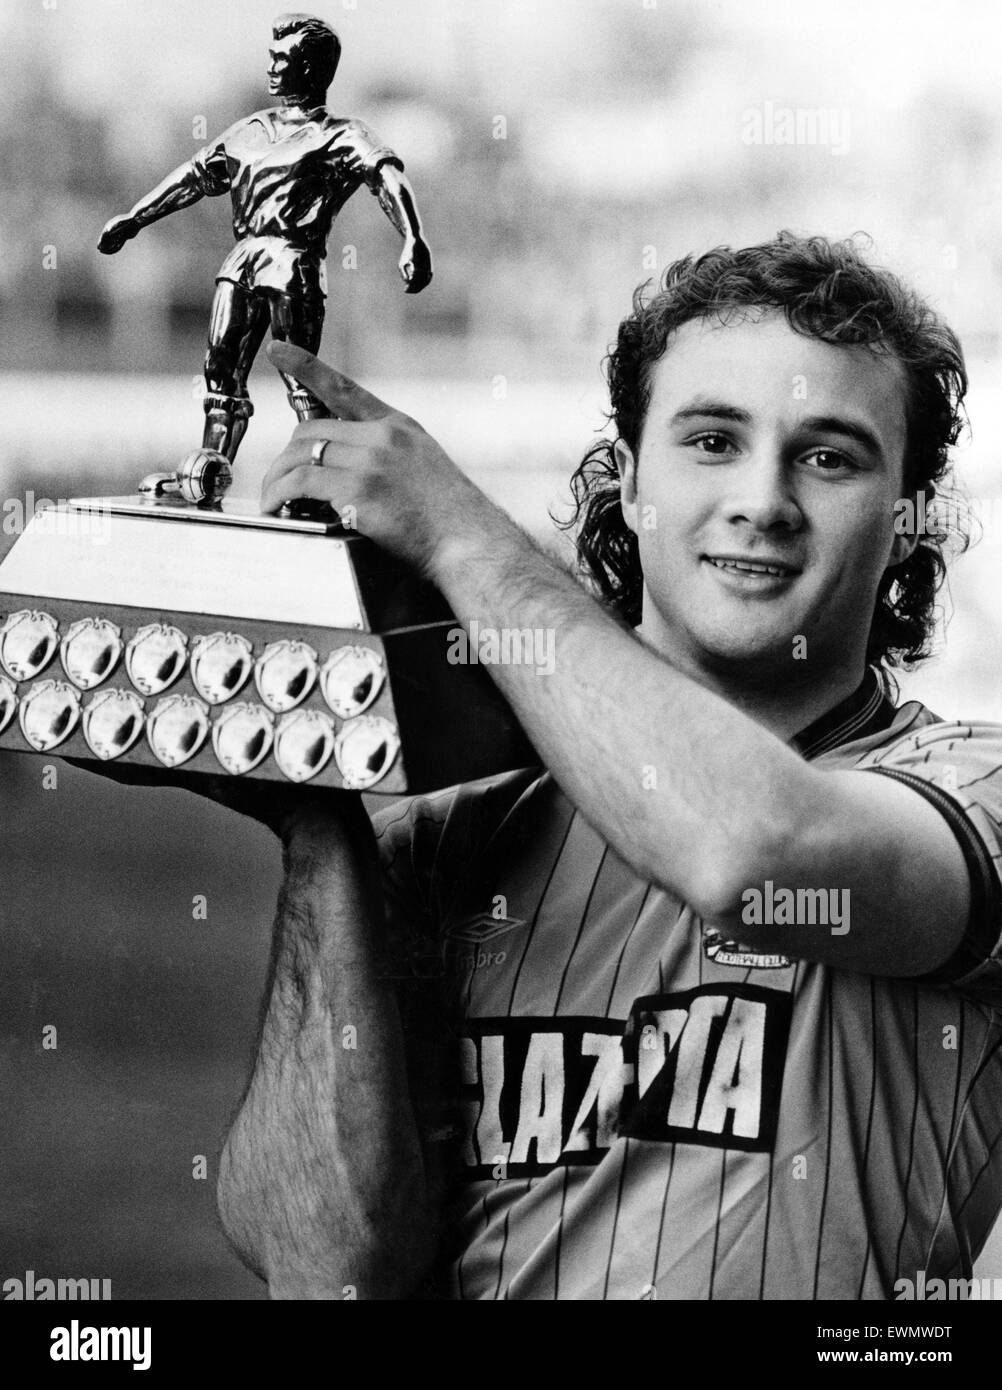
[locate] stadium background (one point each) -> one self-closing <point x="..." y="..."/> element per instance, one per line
<point x="561" y="152"/>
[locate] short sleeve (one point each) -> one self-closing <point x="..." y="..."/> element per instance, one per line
<point x="211" y="169"/>
<point x="957" y="767"/>
<point x="431" y="849"/>
<point x="408" y="836"/>
<point x="366" y="152"/>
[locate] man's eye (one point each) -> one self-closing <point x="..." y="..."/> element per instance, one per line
<point x="712" y="443"/>
<point x="830" y="460"/>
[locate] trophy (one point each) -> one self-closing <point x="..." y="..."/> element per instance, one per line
<point x="206" y="636"/>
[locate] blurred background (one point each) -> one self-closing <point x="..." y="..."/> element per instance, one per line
<point x="561" y="151"/>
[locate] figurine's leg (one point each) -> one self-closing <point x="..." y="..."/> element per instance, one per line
<point x="238" y="323"/>
<point x="299" y="319"/>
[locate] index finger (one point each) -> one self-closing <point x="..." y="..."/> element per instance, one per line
<point x="339" y="393"/>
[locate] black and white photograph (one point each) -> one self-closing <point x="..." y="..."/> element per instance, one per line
<point x="501" y="659"/>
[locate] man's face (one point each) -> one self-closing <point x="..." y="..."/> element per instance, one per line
<point x="288" y="67"/>
<point x="763" y="498"/>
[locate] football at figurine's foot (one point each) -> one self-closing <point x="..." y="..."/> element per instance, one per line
<point x="204" y="475"/>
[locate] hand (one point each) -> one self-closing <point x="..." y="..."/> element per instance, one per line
<point x="118" y="231"/>
<point x="403" y="490"/>
<point x="415" y="264"/>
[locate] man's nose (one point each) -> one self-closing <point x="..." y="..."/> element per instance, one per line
<point x="763" y="492"/>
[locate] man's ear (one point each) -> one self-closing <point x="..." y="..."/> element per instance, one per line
<point x="902" y="549"/>
<point x="627" y="465"/>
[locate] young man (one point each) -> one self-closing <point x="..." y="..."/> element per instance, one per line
<point x="724" y="1014"/>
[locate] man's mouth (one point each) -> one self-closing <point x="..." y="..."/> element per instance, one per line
<point x="736" y="565"/>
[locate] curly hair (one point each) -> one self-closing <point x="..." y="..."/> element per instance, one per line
<point x="828" y="292"/>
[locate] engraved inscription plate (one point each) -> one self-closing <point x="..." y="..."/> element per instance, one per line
<point x="112" y="722"/>
<point x="220" y="665"/>
<point x="304" y="744"/>
<point x="90" y="651"/>
<point x="177" y="728"/>
<point x="365" y="750"/>
<point x="285" y="673"/>
<point x="28" y="640"/>
<point x="351" y="679"/>
<point x="242" y="737"/>
<point x="49" y="714"/>
<point x="155" y="657"/>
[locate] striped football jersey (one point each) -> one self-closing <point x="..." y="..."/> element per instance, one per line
<point x="649" y="1111"/>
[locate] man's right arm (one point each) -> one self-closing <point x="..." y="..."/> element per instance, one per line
<point x="322" y="1186"/>
<point x="203" y="175"/>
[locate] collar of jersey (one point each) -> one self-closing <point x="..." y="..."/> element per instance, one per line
<point x="866" y="711"/>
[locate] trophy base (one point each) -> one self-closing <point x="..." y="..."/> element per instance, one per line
<point x="216" y="640"/>
<point x="228" y="511"/>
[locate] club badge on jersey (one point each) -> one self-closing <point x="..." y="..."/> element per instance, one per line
<point x="724" y="952"/>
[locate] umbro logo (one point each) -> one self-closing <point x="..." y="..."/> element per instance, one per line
<point x="470" y="946"/>
<point x="477" y="931"/>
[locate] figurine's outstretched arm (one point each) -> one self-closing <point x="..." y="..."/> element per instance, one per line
<point x="396" y="198"/>
<point x="186" y="185"/>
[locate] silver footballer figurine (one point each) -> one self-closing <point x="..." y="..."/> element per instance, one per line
<point x="289" y="170"/>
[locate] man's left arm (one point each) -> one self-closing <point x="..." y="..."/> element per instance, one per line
<point x="396" y="198"/>
<point x="729" y="805"/>
<point x="383" y="171"/>
<point x="698" y="797"/>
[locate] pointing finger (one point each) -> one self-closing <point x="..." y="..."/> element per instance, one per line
<point x="339" y="393"/>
